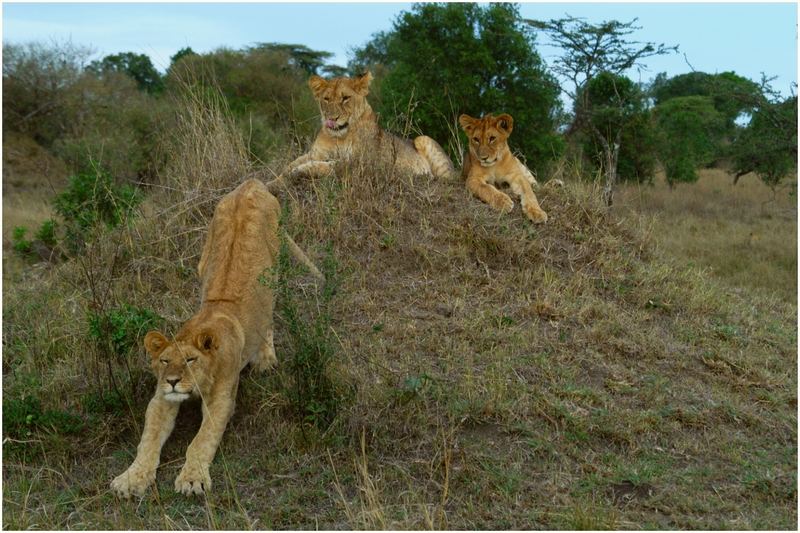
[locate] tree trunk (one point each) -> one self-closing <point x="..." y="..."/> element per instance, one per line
<point x="612" y="157"/>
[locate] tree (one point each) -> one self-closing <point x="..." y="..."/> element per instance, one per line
<point x="618" y="104"/>
<point x="300" y="56"/>
<point x="688" y="129"/>
<point x="588" y="51"/>
<point x="137" y="66"/>
<point x="442" y="60"/>
<point x="733" y="97"/>
<point x="768" y="145"/>
<point x="38" y="88"/>
<point x="180" y="54"/>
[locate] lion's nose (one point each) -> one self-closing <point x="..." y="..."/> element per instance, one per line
<point x="173" y="382"/>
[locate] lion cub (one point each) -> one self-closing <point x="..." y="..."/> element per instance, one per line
<point x="490" y="162"/>
<point x="350" y="128"/>
<point x="232" y="328"/>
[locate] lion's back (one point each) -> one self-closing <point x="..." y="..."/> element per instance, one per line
<point x="243" y="242"/>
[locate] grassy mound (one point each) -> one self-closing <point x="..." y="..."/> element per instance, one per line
<point x="486" y="373"/>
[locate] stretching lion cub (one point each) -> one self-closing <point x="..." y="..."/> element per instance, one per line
<point x="350" y="128"/>
<point x="232" y="328"/>
<point x="491" y="162"/>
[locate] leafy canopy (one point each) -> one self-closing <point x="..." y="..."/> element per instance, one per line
<point x="448" y="59"/>
<point x="137" y="66"/>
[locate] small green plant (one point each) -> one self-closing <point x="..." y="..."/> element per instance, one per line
<point x="47" y="233"/>
<point x="20" y="243"/>
<point x="92" y="197"/>
<point x="121" y="327"/>
<point x="314" y="396"/>
<point x="21" y="417"/>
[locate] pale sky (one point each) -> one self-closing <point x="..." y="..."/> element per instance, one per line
<point x="716" y="37"/>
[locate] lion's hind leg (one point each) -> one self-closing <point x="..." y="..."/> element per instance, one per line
<point x="440" y="164"/>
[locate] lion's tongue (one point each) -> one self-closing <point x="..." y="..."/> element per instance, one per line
<point x="330" y="123"/>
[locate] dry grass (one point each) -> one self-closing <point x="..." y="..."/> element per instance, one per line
<point x="503" y="375"/>
<point x="745" y="235"/>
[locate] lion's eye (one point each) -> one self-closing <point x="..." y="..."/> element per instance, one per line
<point x="191" y="360"/>
<point x="475" y="140"/>
<point x="492" y="139"/>
<point x="164" y="361"/>
<point x="326" y="99"/>
<point x="345" y="99"/>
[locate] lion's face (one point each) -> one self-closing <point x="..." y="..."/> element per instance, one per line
<point x="341" y="101"/>
<point x="487" y="136"/>
<point x="182" y="368"/>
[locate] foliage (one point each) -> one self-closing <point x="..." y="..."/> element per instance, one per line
<point x="23" y="416"/>
<point x="300" y="56"/>
<point x="768" y="145"/>
<point x="265" y="91"/>
<point x="92" y="198"/>
<point x="120" y="328"/>
<point x="20" y="243"/>
<point x="589" y="51"/>
<point x="688" y="129"/>
<point x="180" y="54"/>
<point x="447" y="59"/>
<point x="731" y="94"/>
<point x="618" y="104"/>
<point x="38" y="86"/>
<point x="47" y="232"/>
<point x="137" y="66"/>
<point x="314" y="395"/>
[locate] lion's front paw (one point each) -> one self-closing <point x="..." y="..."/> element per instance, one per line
<point x="133" y="482"/>
<point x="193" y="479"/>
<point x="535" y="214"/>
<point x="503" y="203"/>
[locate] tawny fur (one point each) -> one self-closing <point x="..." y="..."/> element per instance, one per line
<point x="491" y="162"/>
<point x="232" y="328"/>
<point x="350" y="130"/>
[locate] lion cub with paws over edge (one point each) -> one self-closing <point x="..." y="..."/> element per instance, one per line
<point x="489" y="162"/>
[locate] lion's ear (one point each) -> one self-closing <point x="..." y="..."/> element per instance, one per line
<point x="505" y="122"/>
<point x="155" y="343"/>
<point x="467" y="122"/>
<point x="317" y="84"/>
<point x="361" y="83"/>
<point x="206" y="341"/>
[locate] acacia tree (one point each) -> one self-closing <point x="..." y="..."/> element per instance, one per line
<point x="768" y="144"/>
<point x="588" y="51"/>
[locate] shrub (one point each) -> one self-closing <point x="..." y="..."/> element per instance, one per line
<point x="120" y="328"/>
<point x="314" y="396"/>
<point x="20" y="243"/>
<point x="93" y="198"/>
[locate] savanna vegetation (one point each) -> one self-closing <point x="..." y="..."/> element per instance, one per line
<point x="619" y="367"/>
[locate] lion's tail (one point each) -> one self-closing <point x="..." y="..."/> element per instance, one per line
<point x="441" y="166"/>
<point x="301" y="256"/>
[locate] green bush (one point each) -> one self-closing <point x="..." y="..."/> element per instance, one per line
<point x="20" y="244"/>
<point x="22" y="417"/>
<point x="315" y="397"/>
<point x="92" y="198"/>
<point x="47" y="233"/>
<point x="120" y="328"/>
<point x="448" y="59"/>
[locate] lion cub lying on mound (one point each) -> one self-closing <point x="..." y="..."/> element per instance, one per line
<point x="232" y="328"/>
<point x="350" y="128"/>
<point x="491" y="162"/>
